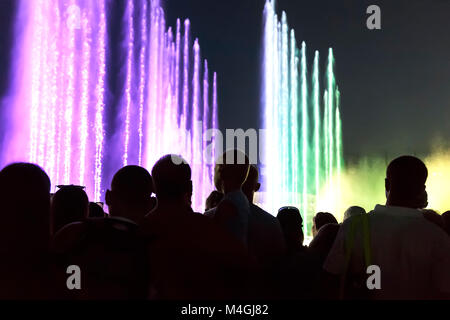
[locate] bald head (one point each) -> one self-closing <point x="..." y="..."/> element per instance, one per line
<point x="172" y="177"/>
<point x="231" y="171"/>
<point x="25" y="188"/>
<point x="405" y="182"/>
<point x="130" y="194"/>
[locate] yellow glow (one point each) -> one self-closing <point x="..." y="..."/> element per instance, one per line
<point x="362" y="184"/>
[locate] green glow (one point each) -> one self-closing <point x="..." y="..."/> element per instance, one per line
<point x="330" y="107"/>
<point x="316" y="123"/>
<point x="325" y="134"/>
<point x="339" y="152"/>
<point x="304" y="136"/>
<point x="293" y="137"/>
<point x="285" y="98"/>
<point x="302" y="149"/>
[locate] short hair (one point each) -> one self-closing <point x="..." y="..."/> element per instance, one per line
<point x="24" y="185"/>
<point x="323" y="218"/>
<point x="69" y="204"/>
<point x="172" y="177"/>
<point x="132" y="183"/>
<point x="407" y="175"/>
<point x="289" y="216"/>
<point x="25" y="201"/>
<point x="353" y="211"/>
<point x="24" y="175"/>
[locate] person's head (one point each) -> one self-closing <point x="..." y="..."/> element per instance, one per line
<point x="172" y="180"/>
<point x="321" y="219"/>
<point x="231" y="171"/>
<point x="69" y="204"/>
<point x="353" y="211"/>
<point x="292" y="226"/>
<point x="25" y="205"/>
<point x="251" y="185"/>
<point x="446" y="219"/>
<point x="130" y="193"/>
<point x="213" y="200"/>
<point x="405" y="183"/>
<point x="95" y="210"/>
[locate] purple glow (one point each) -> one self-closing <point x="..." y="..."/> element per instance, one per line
<point x="196" y="139"/>
<point x="206" y="121"/>
<point x="177" y="63"/>
<point x="99" y="108"/>
<point x="83" y="129"/>
<point x="129" y="102"/>
<point x="215" y="122"/>
<point x="186" y="69"/>
<point x="142" y="78"/>
<point x="61" y="104"/>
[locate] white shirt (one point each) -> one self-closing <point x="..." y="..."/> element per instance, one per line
<point x="413" y="254"/>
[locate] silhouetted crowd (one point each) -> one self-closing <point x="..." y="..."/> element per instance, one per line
<point x="152" y="245"/>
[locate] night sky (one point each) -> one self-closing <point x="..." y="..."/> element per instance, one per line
<point x="394" y="82"/>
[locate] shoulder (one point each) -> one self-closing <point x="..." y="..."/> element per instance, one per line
<point x="197" y="217"/>
<point x="261" y="215"/>
<point x="226" y="207"/>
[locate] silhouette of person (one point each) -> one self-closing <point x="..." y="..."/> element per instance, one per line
<point x="297" y="272"/>
<point x="25" y="233"/>
<point x="108" y="249"/>
<point x="405" y="183"/>
<point x="321" y="219"/>
<point x="323" y="241"/>
<point x="232" y="213"/>
<point x="69" y="204"/>
<point x="411" y="252"/>
<point x="291" y="223"/>
<point x="130" y="194"/>
<point x="192" y="257"/>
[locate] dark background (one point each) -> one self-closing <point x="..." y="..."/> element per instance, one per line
<point x="394" y="82"/>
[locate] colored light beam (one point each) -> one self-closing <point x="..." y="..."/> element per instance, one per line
<point x="297" y="162"/>
<point x="64" y="90"/>
<point x="129" y="101"/>
<point x="142" y="78"/>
